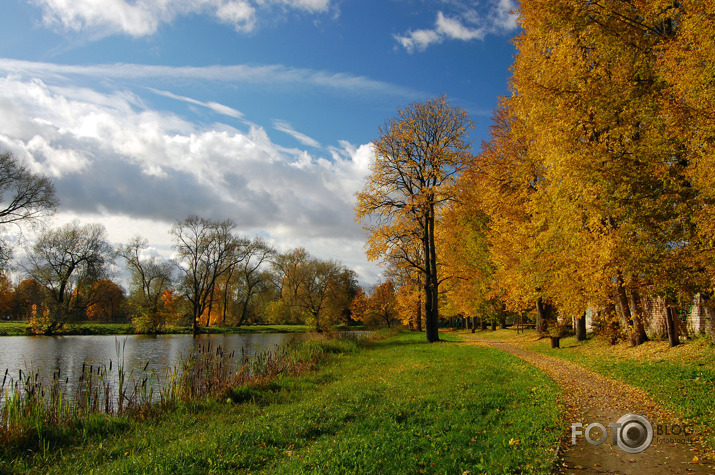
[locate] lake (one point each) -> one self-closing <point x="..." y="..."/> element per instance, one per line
<point x="142" y="354"/>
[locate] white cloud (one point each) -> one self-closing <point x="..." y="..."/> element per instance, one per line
<point x="241" y="14"/>
<point x="214" y="106"/>
<point x="142" y="17"/>
<point x="137" y="169"/>
<point x="313" y="6"/>
<point x="418" y="40"/>
<point x="453" y="28"/>
<point x="269" y="74"/>
<point x="467" y="23"/>
<point x="284" y="126"/>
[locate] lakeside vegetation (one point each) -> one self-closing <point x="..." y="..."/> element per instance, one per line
<point x="396" y="405"/>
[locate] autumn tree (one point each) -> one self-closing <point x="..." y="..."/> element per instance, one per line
<point x="501" y="215"/>
<point x="686" y="60"/>
<point x="206" y="250"/>
<point x="288" y="272"/>
<point x="616" y="189"/>
<point x="25" y="196"/>
<point x="312" y="290"/>
<point x="251" y="277"/>
<point x="150" y="277"/>
<point x="382" y="304"/>
<point x="358" y="305"/>
<point x="409" y="291"/>
<point x="29" y="295"/>
<point x="107" y="304"/>
<point x="343" y="290"/>
<point x="464" y="250"/>
<point x="67" y="261"/>
<point x="7" y="297"/>
<point x="418" y="154"/>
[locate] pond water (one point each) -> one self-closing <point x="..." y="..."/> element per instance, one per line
<point x="140" y="354"/>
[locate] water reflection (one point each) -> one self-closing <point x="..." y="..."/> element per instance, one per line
<point x="157" y="353"/>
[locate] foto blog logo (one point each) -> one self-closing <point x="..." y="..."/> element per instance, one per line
<point x="632" y="433"/>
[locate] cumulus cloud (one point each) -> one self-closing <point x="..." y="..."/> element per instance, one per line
<point x="469" y="22"/>
<point x="143" y="17"/>
<point x="108" y="153"/>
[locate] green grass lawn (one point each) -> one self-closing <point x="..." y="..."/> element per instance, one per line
<point x="398" y="405"/>
<point x="13" y="328"/>
<point x="682" y="379"/>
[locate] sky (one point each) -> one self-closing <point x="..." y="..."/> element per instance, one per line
<point x="144" y="112"/>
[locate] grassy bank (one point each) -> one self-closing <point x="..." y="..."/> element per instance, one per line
<point x="97" y="328"/>
<point x="397" y="405"/>
<point x="682" y="379"/>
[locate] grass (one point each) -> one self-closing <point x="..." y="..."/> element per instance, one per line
<point x="15" y="328"/>
<point x="397" y="405"/>
<point x="10" y="328"/>
<point x="681" y="379"/>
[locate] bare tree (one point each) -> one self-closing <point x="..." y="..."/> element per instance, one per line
<point x="150" y="275"/>
<point x="24" y="196"/>
<point x="207" y="250"/>
<point x="250" y="276"/>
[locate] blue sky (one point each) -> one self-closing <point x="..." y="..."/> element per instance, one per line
<point x="262" y="111"/>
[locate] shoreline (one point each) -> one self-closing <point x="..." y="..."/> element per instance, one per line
<point x="19" y="328"/>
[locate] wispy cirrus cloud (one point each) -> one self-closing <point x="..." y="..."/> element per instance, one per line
<point x="285" y="127"/>
<point x="214" y="106"/>
<point x="140" y="18"/>
<point x="470" y="21"/>
<point x="262" y="74"/>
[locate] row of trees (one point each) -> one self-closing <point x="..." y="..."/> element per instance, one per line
<point x="595" y="190"/>
<point x="216" y="277"/>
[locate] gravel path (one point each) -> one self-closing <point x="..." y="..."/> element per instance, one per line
<point x="589" y="397"/>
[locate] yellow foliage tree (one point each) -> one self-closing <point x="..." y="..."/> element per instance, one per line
<point x="418" y="154"/>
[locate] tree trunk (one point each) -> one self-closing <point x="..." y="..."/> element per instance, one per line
<point x="419" y="307"/>
<point x="709" y="311"/>
<point x="431" y="306"/>
<point x="636" y="332"/>
<point x="541" y="317"/>
<point x="581" y="328"/>
<point x="634" y="299"/>
<point x="494" y="324"/>
<point x="671" y="325"/>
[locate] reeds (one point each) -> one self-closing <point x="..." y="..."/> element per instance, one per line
<point x="32" y="410"/>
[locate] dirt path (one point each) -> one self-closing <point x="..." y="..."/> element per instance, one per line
<point x="589" y="398"/>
